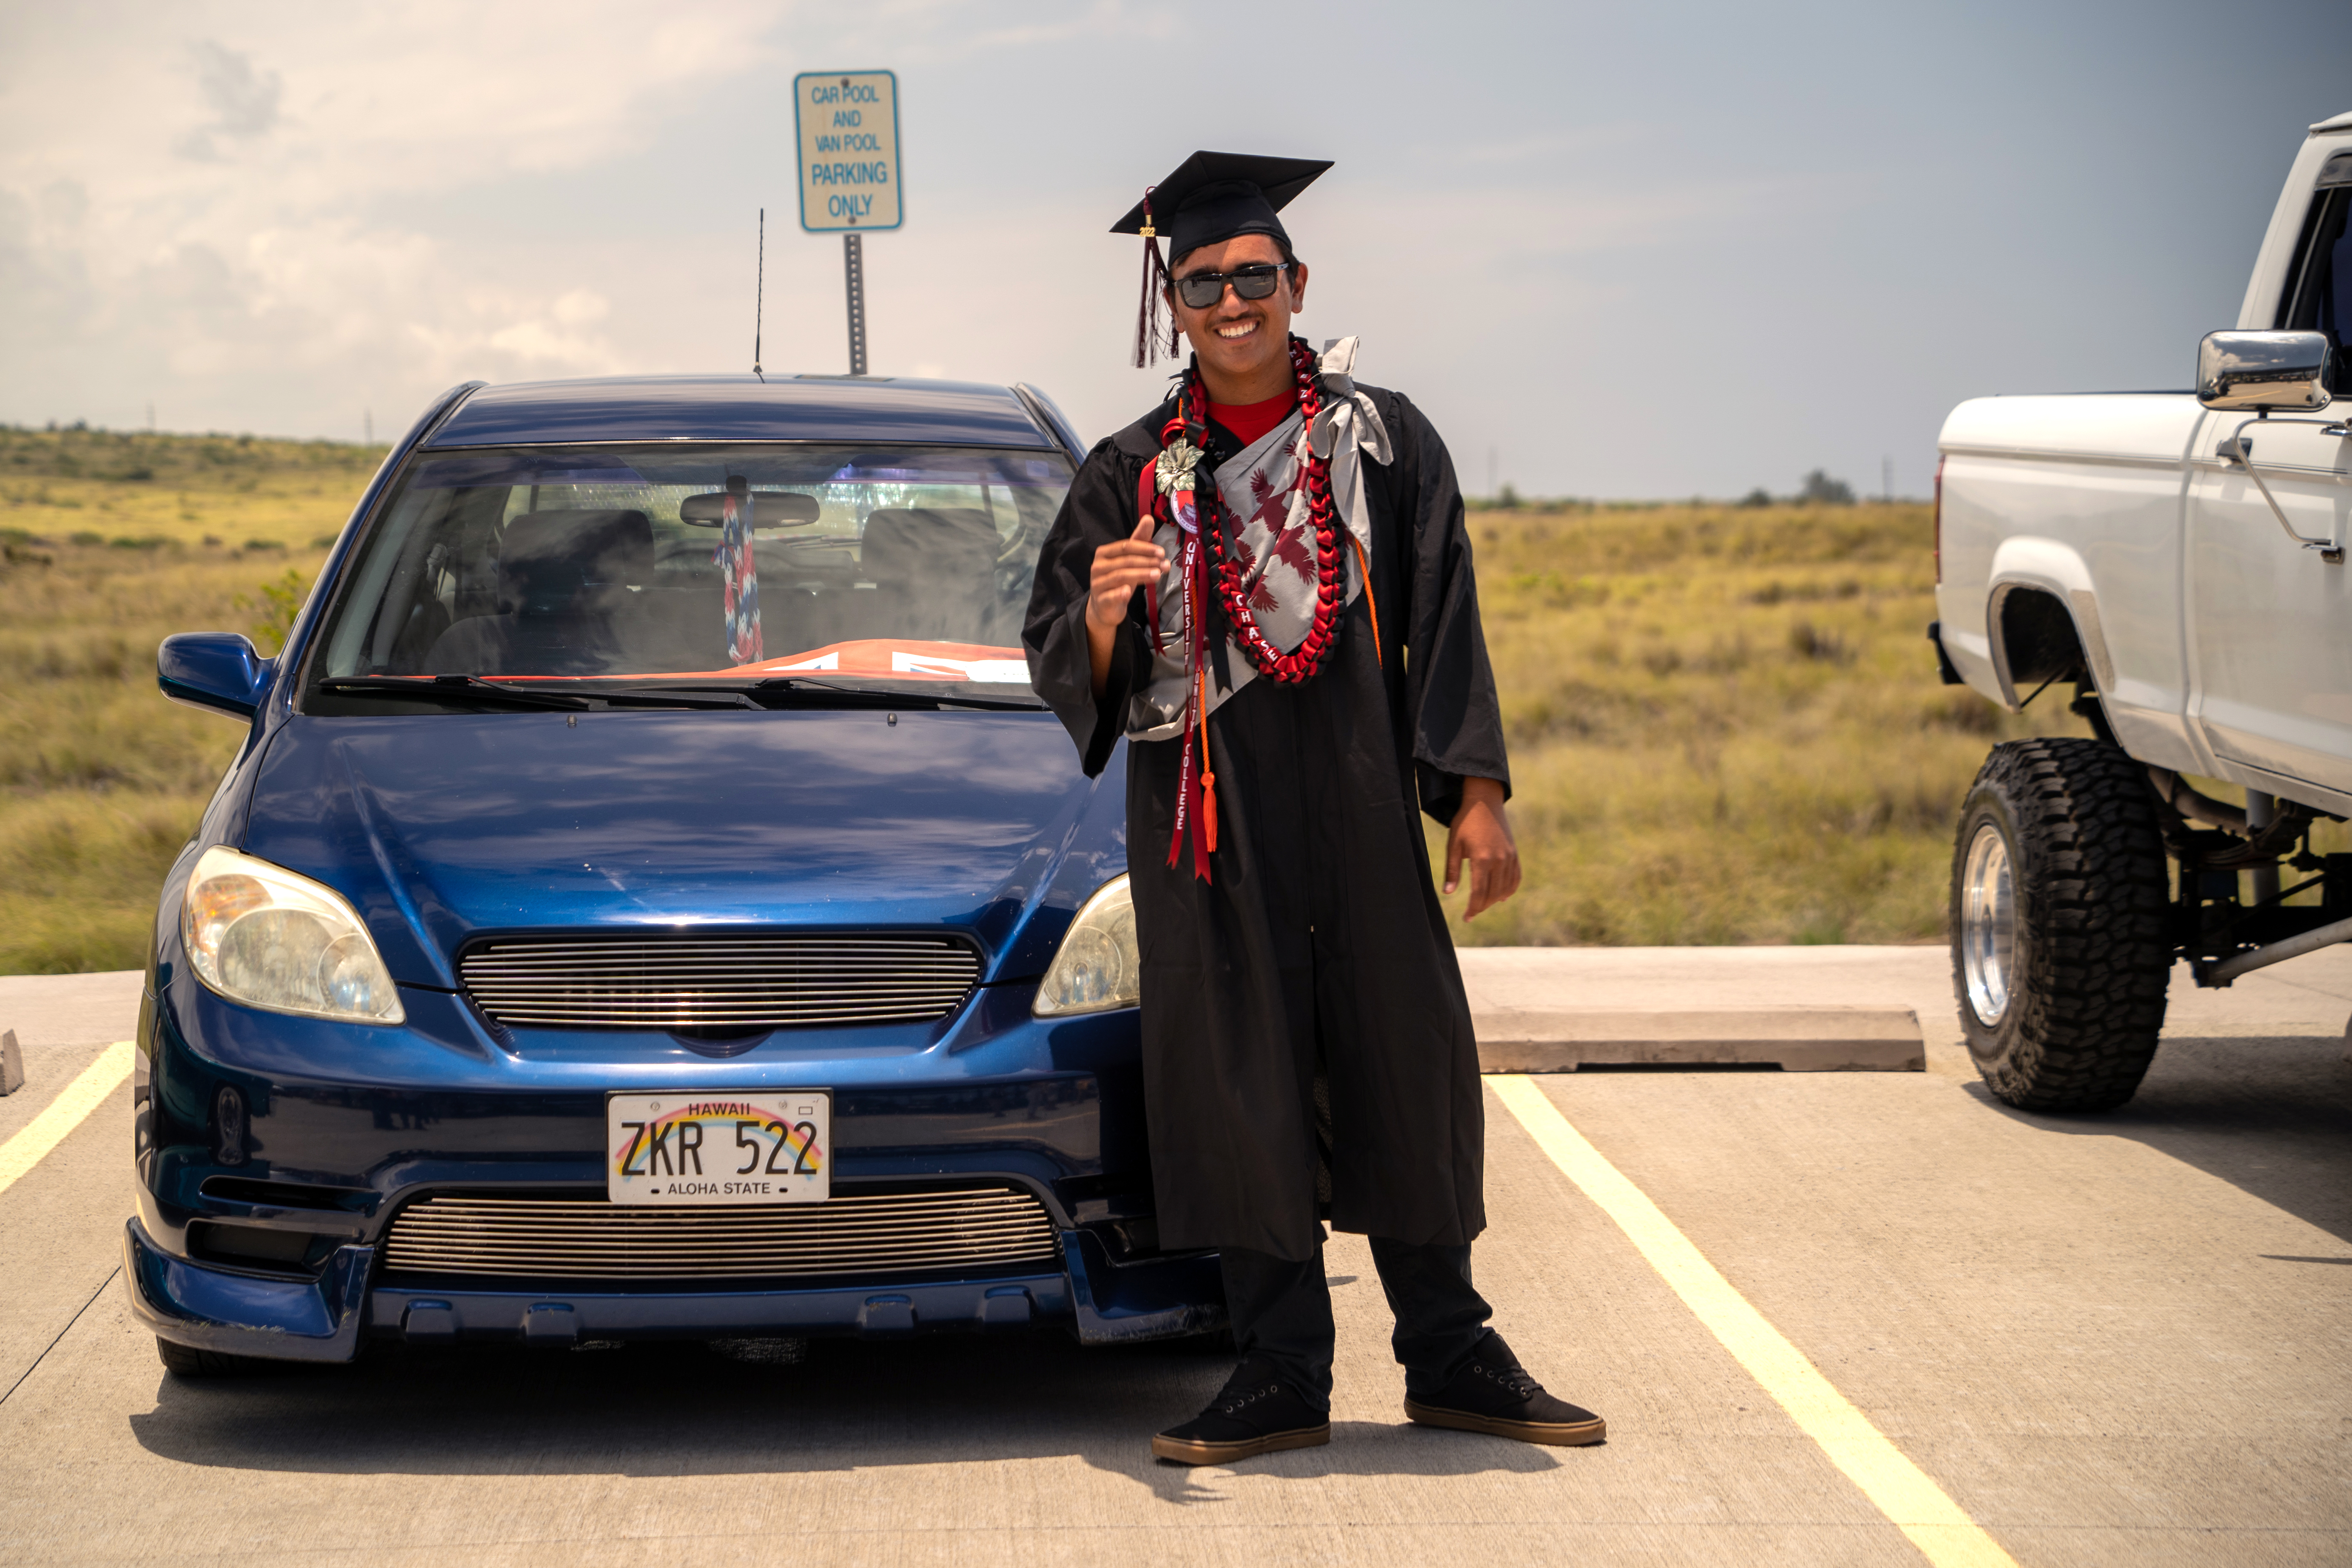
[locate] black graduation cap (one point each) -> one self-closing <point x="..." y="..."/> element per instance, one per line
<point x="1211" y="197"/>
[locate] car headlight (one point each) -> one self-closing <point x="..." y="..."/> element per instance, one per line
<point x="1097" y="967"/>
<point x="258" y="933"/>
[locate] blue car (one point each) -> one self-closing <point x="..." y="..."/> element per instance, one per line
<point x="650" y="902"/>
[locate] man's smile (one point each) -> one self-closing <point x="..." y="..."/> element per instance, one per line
<point x="1236" y="328"/>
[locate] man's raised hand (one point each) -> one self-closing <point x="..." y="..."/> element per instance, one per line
<point x="1120" y="568"/>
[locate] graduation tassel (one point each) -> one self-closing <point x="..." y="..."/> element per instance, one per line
<point x="1155" y="287"/>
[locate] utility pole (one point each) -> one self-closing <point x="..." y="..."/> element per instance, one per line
<point x="1887" y="477"/>
<point x="853" y="263"/>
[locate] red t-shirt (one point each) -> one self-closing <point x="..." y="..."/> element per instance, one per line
<point x="1248" y="421"/>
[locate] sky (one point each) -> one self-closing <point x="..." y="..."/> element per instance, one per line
<point x="1648" y="251"/>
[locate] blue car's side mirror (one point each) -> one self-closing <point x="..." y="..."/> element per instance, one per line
<point x="221" y="672"/>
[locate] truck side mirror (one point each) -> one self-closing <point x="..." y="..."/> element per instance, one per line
<point x="221" y="672"/>
<point x="2260" y="371"/>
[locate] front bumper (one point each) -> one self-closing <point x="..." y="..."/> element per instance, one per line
<point x="324" y="1319"/>
<point x="253" y="1128"/>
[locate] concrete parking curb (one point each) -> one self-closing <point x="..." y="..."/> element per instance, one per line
<point x="1795" y="1039"/>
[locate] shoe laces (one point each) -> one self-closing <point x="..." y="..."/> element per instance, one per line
<point x="1515" y="1381"/>
<point x="1231" y="1404"/>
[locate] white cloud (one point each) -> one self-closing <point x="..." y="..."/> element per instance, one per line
<point x="253" y="207"/>
<point x="243" y="100"/>
<point x="270" y="216"/>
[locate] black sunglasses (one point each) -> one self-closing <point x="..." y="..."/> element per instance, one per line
<point x="1202" y="290"/>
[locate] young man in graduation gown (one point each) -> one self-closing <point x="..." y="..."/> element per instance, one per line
<point x="1265" y="585"/>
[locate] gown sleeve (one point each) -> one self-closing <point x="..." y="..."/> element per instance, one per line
<point x="1455" y="718"/>
<point x="1095" y="513"/>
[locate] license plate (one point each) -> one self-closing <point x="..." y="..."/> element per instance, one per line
<point x="719" y="1150"/>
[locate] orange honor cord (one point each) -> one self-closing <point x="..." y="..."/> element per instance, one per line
<point x="1208" y="778"/>
<point x="1371" y="603"/>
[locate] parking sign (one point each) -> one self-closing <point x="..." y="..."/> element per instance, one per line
<point x="847" y="127"/>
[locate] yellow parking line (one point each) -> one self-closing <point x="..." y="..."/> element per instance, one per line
<point x="1913" y="1503"/>
<point x="69" y="1110"/>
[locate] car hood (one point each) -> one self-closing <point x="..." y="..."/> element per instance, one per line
<point x="440" y="828"/>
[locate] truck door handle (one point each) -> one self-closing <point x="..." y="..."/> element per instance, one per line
<point x="2236" y="449"/>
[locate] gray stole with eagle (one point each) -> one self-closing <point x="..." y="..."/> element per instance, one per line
<point x="1264" y="489"/>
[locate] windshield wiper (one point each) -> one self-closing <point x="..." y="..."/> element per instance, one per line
<point x="774" y="691"/>
<point x="473" y="689"/>
<point x="801" y="692"/>
<point x="894" y="696"/>
<point x="467" y="689"/>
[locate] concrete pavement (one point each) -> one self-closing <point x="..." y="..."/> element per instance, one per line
<point x="2111" y="1340"/>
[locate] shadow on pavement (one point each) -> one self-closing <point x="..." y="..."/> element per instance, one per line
<point x="668" y="1409"/>
<point x="2272" y="1116"/>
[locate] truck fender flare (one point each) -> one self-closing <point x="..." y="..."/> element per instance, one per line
<point x="2041" y="615"/>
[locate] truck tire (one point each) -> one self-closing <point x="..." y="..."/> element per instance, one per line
<point x="2060" y="954"/>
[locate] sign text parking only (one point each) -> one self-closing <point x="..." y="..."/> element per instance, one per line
<point x="847" y="123"/>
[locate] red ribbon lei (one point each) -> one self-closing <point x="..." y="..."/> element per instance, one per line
<point x="1330" y="571"/>
<point x="1205" y="565"/>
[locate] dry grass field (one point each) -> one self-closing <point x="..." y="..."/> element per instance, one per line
<point x="1726" y="725"/>
<point x="111" y="543"/>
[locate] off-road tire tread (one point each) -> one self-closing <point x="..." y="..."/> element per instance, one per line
<point x="2087" y="1000"/>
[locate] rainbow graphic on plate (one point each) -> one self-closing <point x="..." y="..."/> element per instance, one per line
<point x="728" y="1149"/>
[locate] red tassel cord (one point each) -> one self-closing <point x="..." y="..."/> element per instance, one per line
<point x="1193" y="778"/>
<point x="1196" y="783"/>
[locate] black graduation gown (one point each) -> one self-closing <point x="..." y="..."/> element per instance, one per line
<point x="1317" y="957"/>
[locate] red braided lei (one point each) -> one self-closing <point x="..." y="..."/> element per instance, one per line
<point x="1330" y="580"/>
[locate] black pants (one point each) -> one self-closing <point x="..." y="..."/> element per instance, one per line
<point x="1282" y="1313"/>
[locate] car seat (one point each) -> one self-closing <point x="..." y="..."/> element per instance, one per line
<point x="562" y="596"/>
<point x="934" y="572"/>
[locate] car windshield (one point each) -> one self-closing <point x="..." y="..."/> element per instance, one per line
<point x="887" y="567"/>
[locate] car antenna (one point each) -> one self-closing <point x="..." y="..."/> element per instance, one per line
<point x="758" y="288"/>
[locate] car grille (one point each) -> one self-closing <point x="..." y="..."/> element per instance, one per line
<point x="589" y="1238"/>
<point x="720" y="983"/>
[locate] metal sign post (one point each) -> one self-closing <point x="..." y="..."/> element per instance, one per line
<point x="847" y="124"/>
<point x="853" y="265"/>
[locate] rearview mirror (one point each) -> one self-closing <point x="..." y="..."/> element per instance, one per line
<point x="2261" y="372"/>
<point x="218" y="671"/>
<point x="770" y="508"/>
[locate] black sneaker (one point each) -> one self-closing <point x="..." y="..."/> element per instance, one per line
<point x="1255" y="1413"/>
<point x="1493" y="1393"/>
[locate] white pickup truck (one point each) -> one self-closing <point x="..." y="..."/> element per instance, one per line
<point x="2179" y="559"/>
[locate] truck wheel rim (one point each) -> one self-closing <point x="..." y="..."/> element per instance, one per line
<point x="1988" y="923"/>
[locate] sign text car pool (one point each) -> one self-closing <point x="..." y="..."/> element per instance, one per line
<point x="847" y="128"/>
